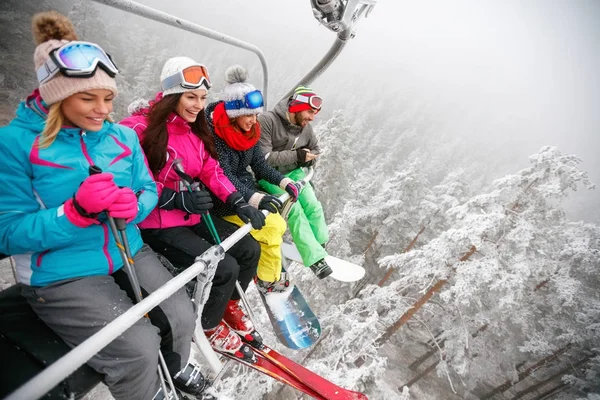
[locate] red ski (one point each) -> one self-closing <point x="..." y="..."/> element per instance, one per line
<point x="267" y="367"/>
<point x="325" y="389"/>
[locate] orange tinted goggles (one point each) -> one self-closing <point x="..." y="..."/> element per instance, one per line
<point x="189" y="78"/>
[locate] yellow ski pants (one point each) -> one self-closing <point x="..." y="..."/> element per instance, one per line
<point x="269" y="238"/>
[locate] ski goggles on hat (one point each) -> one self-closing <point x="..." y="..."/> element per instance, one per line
<point x="189" y="78"/>
<point x="312" y="100"/>
<point x="76" y="59"/>
<point x="251" y="100"/>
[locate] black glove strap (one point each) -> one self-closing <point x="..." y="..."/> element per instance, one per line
<point x="82" y="212"/>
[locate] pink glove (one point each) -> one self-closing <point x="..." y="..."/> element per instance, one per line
<point x="75" y="218"/>
<point x="96" y="193"/>
<point x="126" y="205"/>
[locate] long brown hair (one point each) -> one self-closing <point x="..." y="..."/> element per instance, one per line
<point x="156" y="135"/>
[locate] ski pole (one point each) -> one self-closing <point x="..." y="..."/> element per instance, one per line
<point x="135" y="285"/>
<point x="117" y="225"/>
<point x="245" y="302"/>
<point x="121" y="227"/>
<point x="206" y="216"/>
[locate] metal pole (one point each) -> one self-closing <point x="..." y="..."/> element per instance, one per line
<point x="206" y="349"/>
<point x="245" y="302"/>
<point x="322" y="65"/>
<point x="159" y="16"/>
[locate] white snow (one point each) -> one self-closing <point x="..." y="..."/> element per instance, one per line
<point x="277" y="302"/>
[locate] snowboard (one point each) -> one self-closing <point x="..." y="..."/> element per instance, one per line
<point x="294" y="323"/>
<point x="343" y="270"/>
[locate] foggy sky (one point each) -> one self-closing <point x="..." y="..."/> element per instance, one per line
<point x="508" y="75"/>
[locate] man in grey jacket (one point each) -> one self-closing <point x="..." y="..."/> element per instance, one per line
<point x="289" y="143"/>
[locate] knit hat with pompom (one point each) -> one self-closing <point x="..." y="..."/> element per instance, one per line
<point x="51" y="30"/>
<point x="238" y="88"/>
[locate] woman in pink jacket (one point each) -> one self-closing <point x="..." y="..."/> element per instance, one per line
<point x="174" y="135"/>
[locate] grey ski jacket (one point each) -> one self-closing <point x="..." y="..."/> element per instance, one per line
<point x="280" y="139"/>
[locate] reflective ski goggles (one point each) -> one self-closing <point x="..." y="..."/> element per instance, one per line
<point x="312" y="100"/>
<point x="251" y="100"/>
<point x="189" y="78"/>
<point x="76" y="59"/>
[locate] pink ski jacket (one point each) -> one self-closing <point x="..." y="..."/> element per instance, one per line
<point x="196" y="162"/>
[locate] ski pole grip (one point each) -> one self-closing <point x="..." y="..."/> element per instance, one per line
<point x="95" y="170"/>
<point x="119" y="222"/>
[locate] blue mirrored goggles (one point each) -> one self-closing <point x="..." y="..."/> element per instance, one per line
<point x="251" y="100"/>
<point x="76" y="59"/>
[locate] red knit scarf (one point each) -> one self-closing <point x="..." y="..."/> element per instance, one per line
<point x="235" y="139"/>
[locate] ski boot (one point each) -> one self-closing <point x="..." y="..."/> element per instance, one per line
<point x="223" y="339"/>
<point x="321" y="269"/>
<point x="282" y="285"/>
<point x="190" y="381"/>
<point x="240" y="323"/>
<point x="209" y="393"/>
<point x="189" y="385"/>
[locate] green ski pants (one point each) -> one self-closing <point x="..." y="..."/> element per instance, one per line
<point x="306" y="220"/>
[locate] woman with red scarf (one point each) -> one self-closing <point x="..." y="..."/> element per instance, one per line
<point x="236" y="133"/>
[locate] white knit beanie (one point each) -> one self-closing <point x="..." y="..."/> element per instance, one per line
<point x="171" y="67"/>
<point x="236" y="76"/>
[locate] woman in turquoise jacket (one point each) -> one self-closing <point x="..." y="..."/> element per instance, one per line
<point x="53" y="216"/>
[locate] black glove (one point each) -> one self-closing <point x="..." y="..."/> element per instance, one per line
<point x="306" y="164"/>
<point x="270" y="203"/>
<point x="196" y="202"/>
<point x="245" y="211"/>
<point x="301" y="154"/>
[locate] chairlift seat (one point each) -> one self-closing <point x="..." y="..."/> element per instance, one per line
<point x="28" y="345"/>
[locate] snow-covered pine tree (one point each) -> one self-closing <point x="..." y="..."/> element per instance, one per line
<point x="520" y="233"/>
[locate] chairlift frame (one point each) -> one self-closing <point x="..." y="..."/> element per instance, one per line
<point x="346" y="15"/>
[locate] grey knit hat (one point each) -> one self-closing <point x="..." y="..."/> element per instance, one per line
<point x="238" y="88"/>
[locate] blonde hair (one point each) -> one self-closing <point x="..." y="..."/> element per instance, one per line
<point x="54" y="123"/>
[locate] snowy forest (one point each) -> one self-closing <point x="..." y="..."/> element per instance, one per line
<point x="481" y="243"/>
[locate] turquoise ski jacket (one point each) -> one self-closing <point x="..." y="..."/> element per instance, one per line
<point x="36" y="182"/>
